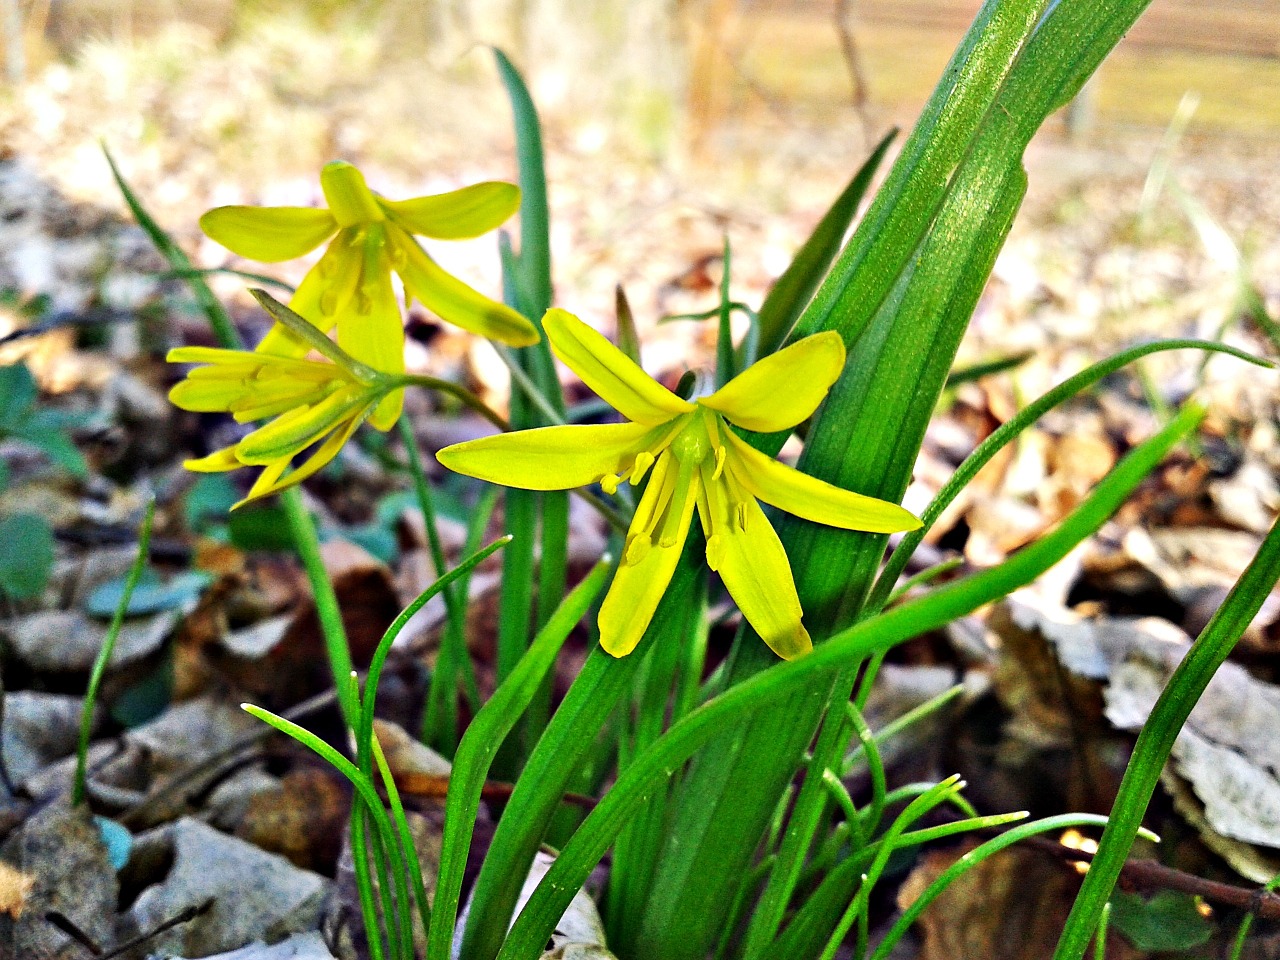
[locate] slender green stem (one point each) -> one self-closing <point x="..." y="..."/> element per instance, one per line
<point x="460" y="393"/>
<point x="455" y="603"/>
<point x="879" y="787"/>
<point x="411" y="863"/>
<point x="104" y="655"/>
<point x="1246" y="924"/>
<point x="1008" y="431"/>
<point x="912" y="716"/>
<point x="364" y="882"/>
<point x="307" y="542"/>
<point x="923" y="577"/>
<point x="524" y="383"/>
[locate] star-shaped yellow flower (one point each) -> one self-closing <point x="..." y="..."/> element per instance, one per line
<point x="316" y="404"/>
<point x="697" y="462"/>
<point x="350" y="286"/>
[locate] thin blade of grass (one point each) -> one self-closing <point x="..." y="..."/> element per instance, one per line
<point x="480" y="745"/>
<point x="1156" y="740"/>
<point x="223" y="329"/>
<point x="1009" y="431"/>
<point x="103" y="658"/>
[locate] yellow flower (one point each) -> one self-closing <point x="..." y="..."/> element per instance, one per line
<point x="350" y="286"/>
<point x="697" y="462"/>
<point x="315" y="404"/>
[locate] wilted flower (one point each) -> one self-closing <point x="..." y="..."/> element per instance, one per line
<point x="697" y="462"/>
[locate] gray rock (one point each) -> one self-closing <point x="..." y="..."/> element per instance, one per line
<point x="252" y="895"/>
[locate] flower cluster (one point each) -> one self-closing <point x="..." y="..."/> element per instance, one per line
<point x="694" y="459"/>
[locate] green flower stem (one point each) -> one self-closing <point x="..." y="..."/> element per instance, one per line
<point x="480" y="745"/>
<point x="303" y="529"/>
<point x="524" y="383"/>
<point x="104" y="655"/>
<point x="455" y="603"/>
<point x="460" y="393"/>
<point x="971" y="860"/>
<point x="1242" y="933"/>
<point x="1156" y="740"/>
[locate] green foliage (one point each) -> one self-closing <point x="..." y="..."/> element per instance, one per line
<point x="22" y="420"/>
<point x="1168" y="920"/>
<point x="27" y="559"/>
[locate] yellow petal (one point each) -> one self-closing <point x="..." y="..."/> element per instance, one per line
<point x="808" y="497"/>
<point x="270" y="400"/>
<point x="350" y="200"/>
<point x="371" y="329"/>
<point x="785" y="387"/>
<point x="216" y="355"/>
<point x="216" y="462"/>
<point x="325" y="291"/>
<point x="452" y="300"/>
<point x="610" y="372"/>
<point x="273" y="479"/>
<point x="206" y="396"/>
<point x="554" y="458"/>
<point x="267" y="481"/>
<point x="292" y="432"/>
<point x="746" y="552"/>
<point x="269" y="234"/>
<point x="458" y="215"/>
<point x="639" y="584"/>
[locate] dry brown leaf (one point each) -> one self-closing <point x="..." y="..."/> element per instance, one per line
<point x="987" y="913"/>
<point x="15" y="887"/>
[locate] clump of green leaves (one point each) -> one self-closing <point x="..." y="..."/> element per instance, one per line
<point x="27" y="559"/>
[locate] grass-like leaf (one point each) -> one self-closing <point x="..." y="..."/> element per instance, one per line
<point x="781" y="682"/>
<point x="223" y="329"/>
<point x="104" y="655"/>
<point x="480" y="745"/>
<point x="1156" y="740"/>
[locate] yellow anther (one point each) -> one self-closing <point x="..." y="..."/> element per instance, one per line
<point x="609" y="482"/>
<point x="644" y="460"/>
<point x="715" y="551"/>
<point x="721" y="453"/>
<point x="637" y="548"/>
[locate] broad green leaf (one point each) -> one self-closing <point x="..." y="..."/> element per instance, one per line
<point x="900" y="294"/>
<point x="27" y="558"/>
<point x="1169" y="920"/>
<point x="18" y="393"/>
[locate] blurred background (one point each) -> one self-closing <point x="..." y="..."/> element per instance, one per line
<point x="669" y="123"/>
